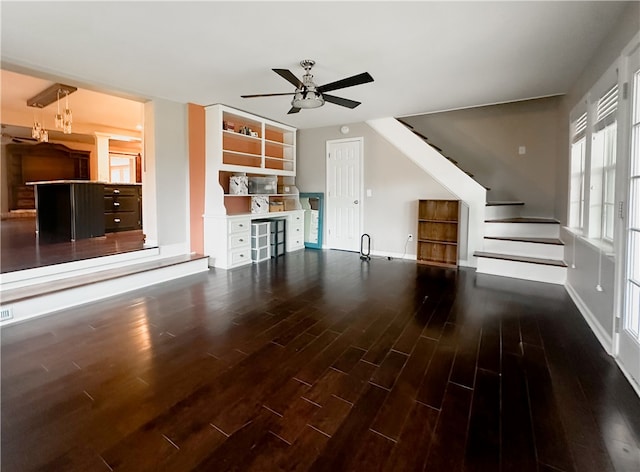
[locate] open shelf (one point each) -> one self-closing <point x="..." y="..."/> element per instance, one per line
<point x="438" y="232"/>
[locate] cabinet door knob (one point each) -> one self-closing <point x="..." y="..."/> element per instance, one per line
<point x="355" y="202"/>
<point x="116" y="220"/>
<point x="241" y="240"/>
<point x="116" y="204"/>
<point x="115" y="190"/>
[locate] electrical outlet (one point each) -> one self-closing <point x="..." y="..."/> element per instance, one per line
<point x="6" y="313"/>
<point x="410" y="237"/>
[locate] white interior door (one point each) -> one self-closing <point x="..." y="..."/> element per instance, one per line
<point x="629" y="340"/>
<point x="344" y="189"/>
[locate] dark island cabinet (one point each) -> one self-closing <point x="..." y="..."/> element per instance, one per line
<point x="122" y="207"/>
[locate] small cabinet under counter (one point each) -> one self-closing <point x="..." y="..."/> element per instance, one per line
<point x="122" y="207"/>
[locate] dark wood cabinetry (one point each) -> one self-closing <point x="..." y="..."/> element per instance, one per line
<point x="122" y="207"/>
<point x="438" y="232"/>
<point x="69" y="210"/>
<point x="41" y="162"/>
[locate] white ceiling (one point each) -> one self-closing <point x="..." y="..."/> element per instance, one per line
<point x="424" y="56"/>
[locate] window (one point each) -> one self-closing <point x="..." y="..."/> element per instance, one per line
<point x="603" y="167"/>
<point x="578" y="152"/>
<point x="122" y="168"/>
<point x="632" y="320"/>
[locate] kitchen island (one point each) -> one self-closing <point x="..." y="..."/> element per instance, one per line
<point x="68" y="210"/>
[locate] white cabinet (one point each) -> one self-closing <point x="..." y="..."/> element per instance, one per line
<point x="228" y="240"/>
<point x="295" y="231"/>
<point x="242" y="144"/>
<point x="239" y="144"/>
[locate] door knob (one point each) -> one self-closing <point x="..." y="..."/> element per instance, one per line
<point x="355" y="202"/>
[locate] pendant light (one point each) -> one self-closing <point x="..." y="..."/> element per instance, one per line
<point x="59" y="119"/>
<point x="67" y="116"/>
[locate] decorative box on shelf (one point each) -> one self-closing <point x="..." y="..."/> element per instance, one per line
<point x="238" y="185"/>
<point x="276" y="206"/>
<point x="259" y="204"/>
<point x="267" y="184"/>
<point x="291" y="204"/>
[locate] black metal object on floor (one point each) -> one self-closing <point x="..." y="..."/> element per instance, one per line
<point x="365" y="256"/>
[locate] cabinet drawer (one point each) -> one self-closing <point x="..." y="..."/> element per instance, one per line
<point x="25" y="192"/>
<point x="239" y="240"/>
<point x="297" y="218"/>
<point x="295" y="230"/>
<point x="295" y="243"/>
<point x="237" y="226"/>
<point x="121" y="203"/>
<point x="121" y="221"/>
<point x="238" y="257"/>
<point x="121" y="190"/>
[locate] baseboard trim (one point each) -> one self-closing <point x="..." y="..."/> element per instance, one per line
<point x="634" y="385"/>
<point x="605" y="339"/>
<point x="394" y="255"/>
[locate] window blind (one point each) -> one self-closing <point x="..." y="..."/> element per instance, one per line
<point x="606" y="109"/>
<point x="580" y="127"/>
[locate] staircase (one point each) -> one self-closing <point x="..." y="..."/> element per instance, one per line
<point x="521" y="247"/>
<point x="506" y="243"/>
<point x="30" y="293"/>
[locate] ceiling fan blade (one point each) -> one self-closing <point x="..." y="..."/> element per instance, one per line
<point x="345" y="102"/>
<point x="293" y="110"/>
<point x="267" y="95"/>
<point x="363" y="78"/>
<point x="288" y="75"/>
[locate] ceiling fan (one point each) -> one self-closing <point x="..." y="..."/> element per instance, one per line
<point x="309" y="95"/>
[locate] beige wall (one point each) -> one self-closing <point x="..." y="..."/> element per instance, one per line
<point x="396" y="184"/>
<point x="165" y="178"/>
<point x="591" y="266"/>
<point x="485" y="141"/>
<point x="627" y="26"/>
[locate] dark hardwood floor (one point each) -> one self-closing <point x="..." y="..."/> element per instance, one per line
<point x="318" y="362"/>
<point x="21" y="249"/>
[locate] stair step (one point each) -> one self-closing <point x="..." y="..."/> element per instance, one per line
<point x="420" y="135"/>
<point x="511" y="257"/>
<point x="505" y="203"/>
<point x="524" y="246"/>
<point x="521" y="219"/>
<point x="405" y="123"/>
<point x="555" y="241"/>
<point x="38" y="290"/>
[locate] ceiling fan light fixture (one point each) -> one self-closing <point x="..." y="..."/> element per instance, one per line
<point x="308" y="99"/>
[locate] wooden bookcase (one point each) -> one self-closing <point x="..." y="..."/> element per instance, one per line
<point x="438" y="222"/>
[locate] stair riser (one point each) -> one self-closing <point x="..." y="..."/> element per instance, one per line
<point x="522" y="270"/>
<point x="531" y="230"/>
<point x="494" y="212"/>
<point x="55" y="272"/>
<point x="518" y="248"/>
<point x="50" y="303"/>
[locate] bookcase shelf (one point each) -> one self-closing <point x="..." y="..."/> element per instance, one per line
<point x="438" y="232"/>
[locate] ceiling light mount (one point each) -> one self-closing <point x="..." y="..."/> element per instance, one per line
<point x="50" y="95"/>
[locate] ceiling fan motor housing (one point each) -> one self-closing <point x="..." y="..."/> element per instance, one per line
<point x="307" y="96"/>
